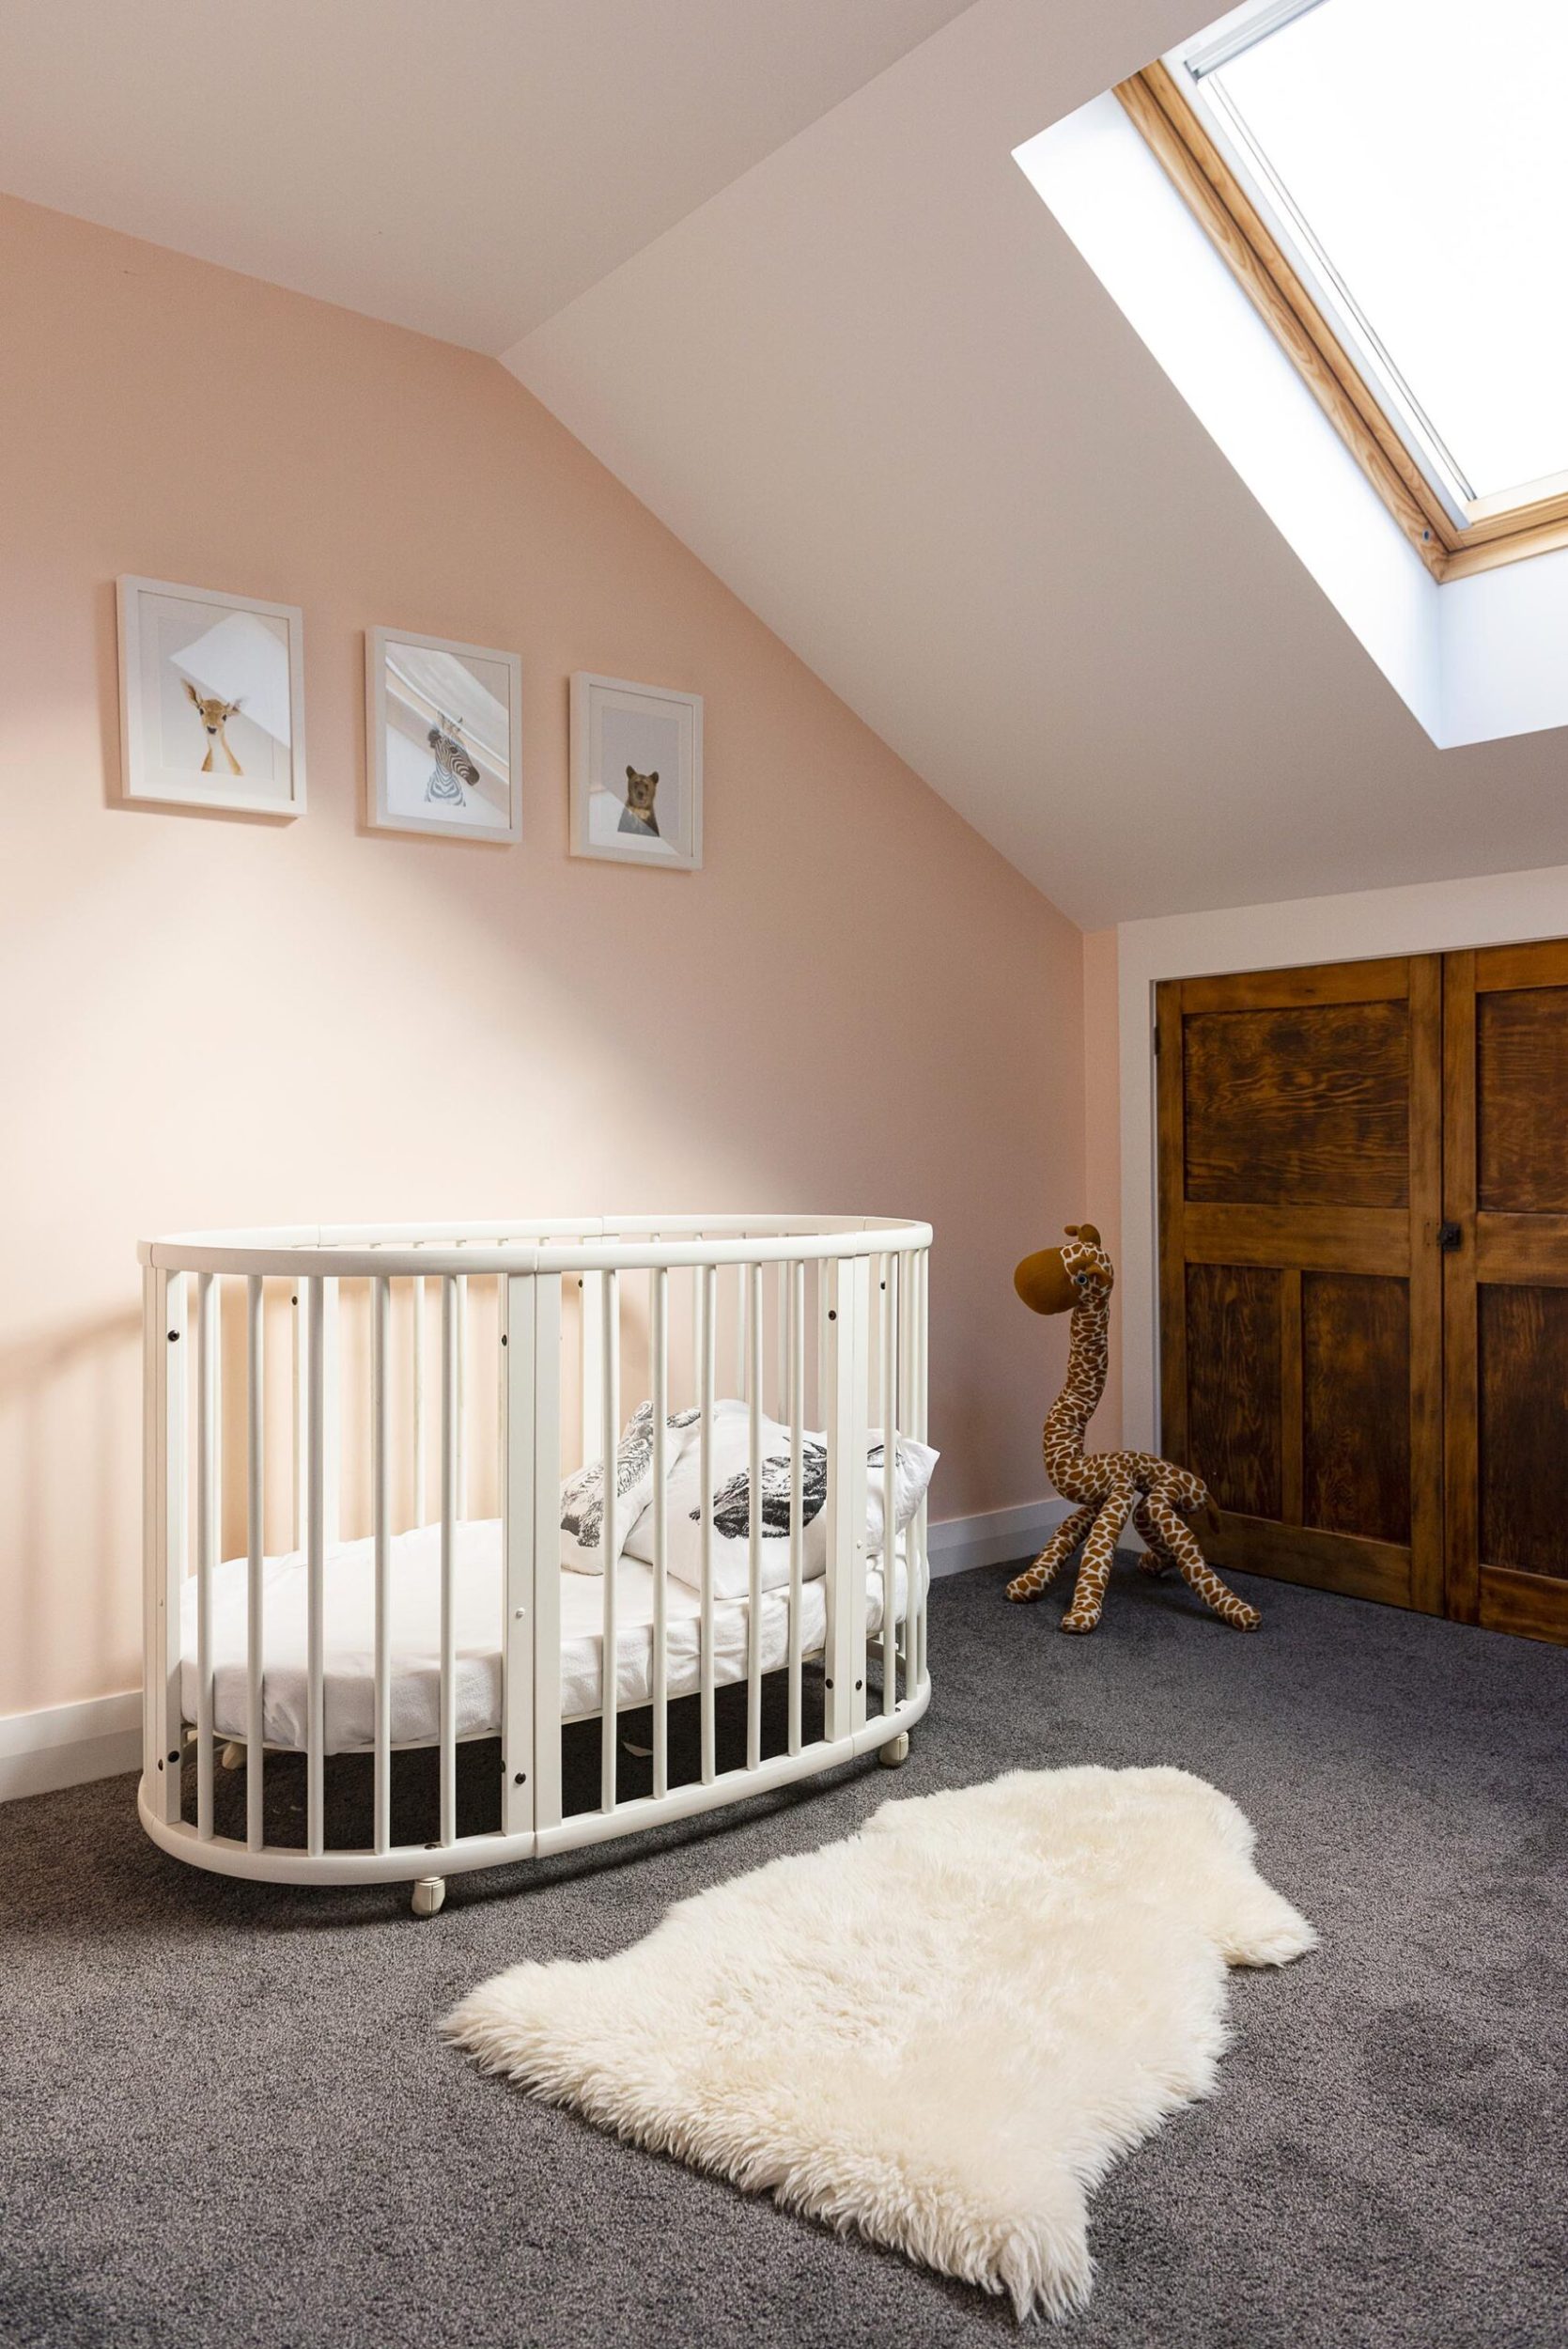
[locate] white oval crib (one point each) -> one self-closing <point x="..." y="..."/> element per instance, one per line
<point x="355" y="1444"/>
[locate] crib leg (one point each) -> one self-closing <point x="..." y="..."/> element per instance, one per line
<point x="895" y="1751"/>
<point x="429" y="1894"/>
<point x="233" y="1755"/>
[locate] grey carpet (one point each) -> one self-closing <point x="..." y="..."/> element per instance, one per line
<point x="225" y="2118"/>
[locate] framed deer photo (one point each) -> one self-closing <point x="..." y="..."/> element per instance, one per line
<point x="211" y="700"/>
<point x="636" y="774"/>
<point x="442" y="731"/>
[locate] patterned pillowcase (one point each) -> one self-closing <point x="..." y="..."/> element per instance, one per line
<point x="732" y="1491"/>
<point x="582" y="1493"/>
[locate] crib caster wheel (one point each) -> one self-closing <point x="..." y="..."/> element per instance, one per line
<point x="429" y="1894"/>
<point x="233" y="1755"/>
<point x="895" y="1753"/>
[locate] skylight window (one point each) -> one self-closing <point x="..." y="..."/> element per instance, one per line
<point x="1390" y="181"/>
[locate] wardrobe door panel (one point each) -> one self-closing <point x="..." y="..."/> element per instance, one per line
<point x="1301" y="1105"/>
<point x="1522" y="1456"/>
<point x="1506" y="1287"/>
<point x="1233" y="1319"/>
<point x="1356" y="1404"/>
<point x="1521" y="1042"/>
<point x="1300" y="1287"/>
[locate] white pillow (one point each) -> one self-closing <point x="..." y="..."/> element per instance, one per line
<point x="582" y="1492"/>
<point x="911" y="1474"/>
<point x="732" y="1502"/>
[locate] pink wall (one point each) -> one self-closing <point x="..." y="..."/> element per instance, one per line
<point x="857" y="1005"/>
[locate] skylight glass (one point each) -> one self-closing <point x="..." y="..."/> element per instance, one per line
<point x="1412" y="158"/>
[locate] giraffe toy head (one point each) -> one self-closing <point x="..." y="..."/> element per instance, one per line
<point x="1057" y="1280"/>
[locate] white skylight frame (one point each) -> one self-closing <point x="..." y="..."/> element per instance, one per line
<point x="1195" y="69"/>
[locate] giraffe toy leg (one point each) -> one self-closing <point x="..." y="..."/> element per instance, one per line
<point x="1095" y="1568"/>
<point x="1196" y="1570"/>
<point x="1158" y="1556"/>
<point x="1054" y="1556"/>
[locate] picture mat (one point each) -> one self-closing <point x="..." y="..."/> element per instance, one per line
<point x="630" y="735"/>
<point x="467" y="697"/>
<point x="472" y="695"/>
<point x="652" y="729"/>
<point x="229" y="648"/>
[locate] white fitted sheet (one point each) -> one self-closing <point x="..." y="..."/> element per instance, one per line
<point x="415" y="1584"/>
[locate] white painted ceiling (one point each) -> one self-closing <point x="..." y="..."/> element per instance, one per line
<point x="461" y="166"/>
<point x="774" y="264"/>
<point x="875" y="387"/>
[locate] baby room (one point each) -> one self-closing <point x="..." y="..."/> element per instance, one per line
<point x="785" y="1039"/>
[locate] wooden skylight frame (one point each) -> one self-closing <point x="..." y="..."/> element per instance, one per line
<point x="1497" y="532"/>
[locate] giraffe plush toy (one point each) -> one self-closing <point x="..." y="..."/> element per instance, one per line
<point x="1110" y="1487"/>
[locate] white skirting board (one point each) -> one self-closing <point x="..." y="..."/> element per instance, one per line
<point x="66" y="1745"/>
<point x="993" y="1538"/>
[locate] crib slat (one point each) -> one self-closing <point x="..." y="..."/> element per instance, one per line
<point x="706" y="1349"/>
<point x="889" y="1487"/>
<point x="332" y="1419"/>
<point x="795" y="1383"/>
<point x="751" y="1276"/>
<point x="658" y="1340"/>
<point x="380" y="1512"/>
<point x="208" y="1477"/>
<point x="547" y="1551"/>
<point x="591" y="1354"/>
<point x="448" y="1720"/>
<point x="909" y="1388"/>
<point x="315" y="1564"/>
<point x="843" y="1661"/>
<point x="421" y="1494"/>
<point x="462" y="1394"/>
<point x="302" y="1415"/>
<point x="610" y="1356"/>
<point x="920" y="1570"/>
<point x="910" y="1266"/>
<point x="783" y="1274"/>
<point x="256" y="1505"/>
<point x="742" y="1354"/>
<point x="874" y="1341"/>
<point x="165" y="1465"/>
<point x="520" y="1570"/>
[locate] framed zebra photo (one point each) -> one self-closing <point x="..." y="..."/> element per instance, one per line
<point x="443" y="734"/>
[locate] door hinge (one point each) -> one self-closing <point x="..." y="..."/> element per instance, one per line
<point x="1156" y="1044"/>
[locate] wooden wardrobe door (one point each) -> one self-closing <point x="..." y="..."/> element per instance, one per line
<point x="1506" y="1189"/>
<point x="1301" y="1277"/>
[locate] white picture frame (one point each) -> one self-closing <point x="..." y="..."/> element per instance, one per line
<point x="443" y="736"/>
<point x="211" y="699"/>
<point x="622" y="734"/>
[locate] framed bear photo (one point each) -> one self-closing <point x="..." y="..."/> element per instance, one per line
<point x="636" y="774"/>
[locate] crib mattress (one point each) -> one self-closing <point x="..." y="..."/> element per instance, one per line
<point x="414" y="1587"/>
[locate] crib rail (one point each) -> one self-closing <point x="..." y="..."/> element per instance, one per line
<point x="547" y="1336"/>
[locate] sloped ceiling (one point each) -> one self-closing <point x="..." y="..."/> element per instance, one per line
<point x="774" y="264"/>
<point x="875" y="388"/>
<point x="461" y="166"/>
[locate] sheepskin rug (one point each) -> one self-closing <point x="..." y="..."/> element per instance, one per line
<point x="939" y="2032"/>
